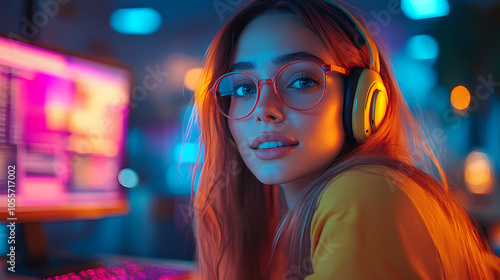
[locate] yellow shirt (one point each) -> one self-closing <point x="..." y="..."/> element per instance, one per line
<point x="367" y="227"/>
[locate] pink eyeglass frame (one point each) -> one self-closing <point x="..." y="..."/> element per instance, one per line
<point x="327" y="68"/>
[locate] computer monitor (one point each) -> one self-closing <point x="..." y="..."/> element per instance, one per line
<point x="63" y="122"/>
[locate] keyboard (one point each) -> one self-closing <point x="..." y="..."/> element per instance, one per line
<point x="128" y="270"/>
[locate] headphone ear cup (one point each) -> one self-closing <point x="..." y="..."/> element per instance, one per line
<point x="350" y="86"/>
<point x="366" y="103"/>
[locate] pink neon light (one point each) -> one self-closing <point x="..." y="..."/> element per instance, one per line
<point x="20" y="55"/>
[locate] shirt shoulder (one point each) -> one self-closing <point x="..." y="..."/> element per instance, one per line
<point x="371" y="184"/>
<point x="366" y="227"/>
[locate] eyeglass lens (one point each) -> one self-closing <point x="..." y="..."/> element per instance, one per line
<point x="300" y="85"/>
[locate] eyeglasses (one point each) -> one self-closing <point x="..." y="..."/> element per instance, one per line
<point x="299" y="85"/>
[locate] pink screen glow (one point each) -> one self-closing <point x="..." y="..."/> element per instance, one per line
<point x="64" y="126"/>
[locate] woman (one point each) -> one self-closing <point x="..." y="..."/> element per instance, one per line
<point x="299" y="183"/>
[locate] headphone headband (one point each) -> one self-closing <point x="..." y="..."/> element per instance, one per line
<point x="372" y="48"/>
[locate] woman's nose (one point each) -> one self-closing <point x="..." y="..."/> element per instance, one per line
<point x="269" y="107"/>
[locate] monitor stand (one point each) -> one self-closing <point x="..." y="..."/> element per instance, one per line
<point x="35" y="260"/>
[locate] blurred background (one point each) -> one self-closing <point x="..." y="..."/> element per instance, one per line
<point x="445" y="55"/>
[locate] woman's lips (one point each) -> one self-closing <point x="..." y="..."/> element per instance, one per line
<point x="270" y="137"/>
<point x="273" y="153"/>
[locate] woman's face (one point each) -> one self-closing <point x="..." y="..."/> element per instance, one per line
<point x="318" y="131"/>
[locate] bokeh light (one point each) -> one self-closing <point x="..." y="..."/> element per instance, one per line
<point x="187" y="152"/>
<point x="136" y="21"/>
<point x="417" y="77"/>
<point x="423" y="47"/>
<point x="191" y="78"/>
<point x="478" y="173"/>
<point x="460" y="98"/>
<point x="422" y="9"/>
<point x="128" y="178"/>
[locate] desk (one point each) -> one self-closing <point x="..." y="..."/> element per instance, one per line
<point x="106" y="260"/>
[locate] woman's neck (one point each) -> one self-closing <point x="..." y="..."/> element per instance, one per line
<point x="292" y="189"/>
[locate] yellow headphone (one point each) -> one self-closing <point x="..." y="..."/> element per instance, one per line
<point x="365" y="97"/>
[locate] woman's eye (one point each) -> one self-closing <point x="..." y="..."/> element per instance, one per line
<point x="244" y="90"/>
<point x="303" y="83"/>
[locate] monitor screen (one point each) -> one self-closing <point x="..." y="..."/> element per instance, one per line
<point x="63" y="122"/>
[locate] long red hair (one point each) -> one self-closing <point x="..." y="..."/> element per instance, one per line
<point x="231" y="207"/>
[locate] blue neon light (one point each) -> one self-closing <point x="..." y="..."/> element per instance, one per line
<point x="423" y="47"/>
<point x="422" y="9"/>
<point x="136" y="21"/>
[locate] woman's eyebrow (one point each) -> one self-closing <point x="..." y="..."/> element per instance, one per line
<point x="278" y="61"/>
